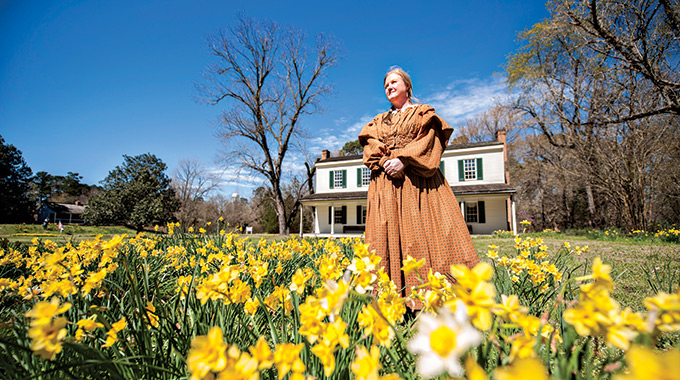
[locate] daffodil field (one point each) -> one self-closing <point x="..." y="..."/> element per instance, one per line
<point x="203" y="306"/>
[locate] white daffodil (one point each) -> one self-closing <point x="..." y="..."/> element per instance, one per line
<point x="441" y="340"/>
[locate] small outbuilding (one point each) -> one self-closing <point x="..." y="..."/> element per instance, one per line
<point x="66" y="213"/>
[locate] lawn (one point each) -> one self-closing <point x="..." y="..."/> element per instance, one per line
<point x="629" y="260"/>
<point x="24" y="233"/>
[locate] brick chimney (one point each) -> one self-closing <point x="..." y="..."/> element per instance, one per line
<point x="501" y="136"/>
<point x="325" y="154"/>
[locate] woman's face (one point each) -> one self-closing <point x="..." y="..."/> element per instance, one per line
<point x="396" y="90"/>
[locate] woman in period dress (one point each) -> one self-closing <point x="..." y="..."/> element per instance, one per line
<point x="411" y="208"/>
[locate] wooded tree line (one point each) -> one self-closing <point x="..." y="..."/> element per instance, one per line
<point x="139" y="194"/>
<point x="200" y="202"/>
<point x="22" y="192"/>
<point x="594" y="130"/>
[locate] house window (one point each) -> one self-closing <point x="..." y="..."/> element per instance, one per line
<point x="338" y="179"/>
<point x="361" y="214"/>
<point x="475" y="212"/>
<point x="365" y="177"/>
<point x="471" y="212"/>
<point x="339" y="215"/>
<point x="470" y="169"/>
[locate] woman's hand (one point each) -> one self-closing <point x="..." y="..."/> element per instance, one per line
<point x="394" y="167"/>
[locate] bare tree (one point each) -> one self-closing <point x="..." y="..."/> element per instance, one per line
<point x="269" y="83"/>
<point x="639" y="36"/>
<point x="607" y="111"/>
<point x="193" y="183"/>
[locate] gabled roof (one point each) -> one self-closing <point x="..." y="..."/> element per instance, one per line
<point x="491" y="188"/>
<point x="65" y="208"/>
<point x="450" y="147"/>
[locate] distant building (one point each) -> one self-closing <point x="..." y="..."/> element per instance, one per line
<point x="66" y="213"/>
<point x="477" y="173"/>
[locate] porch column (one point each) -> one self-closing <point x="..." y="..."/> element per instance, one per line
<point x="462" y="209"/>
<point x="514" y="218"/>
<point x="332" y="220"/>
<point x="300" y="220"/>
<point x="317" y="228"/>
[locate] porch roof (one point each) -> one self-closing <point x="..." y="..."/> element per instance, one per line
<point x="485" y="189"/>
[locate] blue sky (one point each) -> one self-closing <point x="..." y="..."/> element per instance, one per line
<point x="84" y="82"/>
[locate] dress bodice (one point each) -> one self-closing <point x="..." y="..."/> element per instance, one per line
<point x="398" y="128"/>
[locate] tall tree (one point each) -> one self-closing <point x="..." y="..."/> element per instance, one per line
<point x="592" y="100"/>
<point x="136" y="194"/>
<point x="352" y="147"/>
<point x="639" y="36"/>
<point x="193" y="183"/>
<point x="265" y="75"/>
<point x="58" y="188"/>
<point x="15" y="204"/>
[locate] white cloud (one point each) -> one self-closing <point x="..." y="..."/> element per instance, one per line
<point x="455" y="103"/>
<point x="233" y="177"/>
<point x="463" y="99"/>
<point x="334" y="139"/>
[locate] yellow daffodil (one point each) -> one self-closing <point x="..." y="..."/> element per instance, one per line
<point x="645" y="364"/>
<point x="89" y="324"/>
<point x="43" y="312"/>
<point x="287" y="358"/>
<point x="473" y="371"/>
<point x="325" y="354"/>
<point x="366" y="364"/>
<point x="522" y="369"/>
<point x="262" y="353"/>
<point x="411" y="265"/>
<point x="665" y="309"/>
<point x="46" y="338"/>
<point x="509" y="309"/>
<point x="208" y="353"/>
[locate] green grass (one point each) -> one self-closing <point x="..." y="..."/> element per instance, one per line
<point x="24" y="233"/>
<point x="629" y="261"/>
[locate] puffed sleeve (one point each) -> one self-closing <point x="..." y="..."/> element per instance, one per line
<point x="375" y="152"/>
<point x="424" y="153"/>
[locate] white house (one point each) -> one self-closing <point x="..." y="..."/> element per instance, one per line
<point x="477" y="173"/>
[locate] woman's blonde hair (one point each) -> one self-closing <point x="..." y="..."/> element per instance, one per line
<point x="405" y="77"/>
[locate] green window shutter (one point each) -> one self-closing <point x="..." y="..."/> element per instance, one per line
<point x="344" y="215"/>
<point x="481" y="216"/>
<point x="441" y="168"/>
<point x="331" y="184"/>
<point x="344" y="179"/>
<point x="358" y="177"/>
<point x="480" y="172"/>
<point x="461" y="171"/>
<point x="358" y="214"/>
<point x="330" y="214"/>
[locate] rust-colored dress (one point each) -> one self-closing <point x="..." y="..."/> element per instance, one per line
<point x="418" y="214"/>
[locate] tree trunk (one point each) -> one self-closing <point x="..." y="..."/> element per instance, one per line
<point x="592" y="222"/>
<point x="281" y="212"/>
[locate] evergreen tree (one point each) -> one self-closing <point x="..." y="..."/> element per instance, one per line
<point x="136" y="194"/>
<point x="15" y="182"/>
